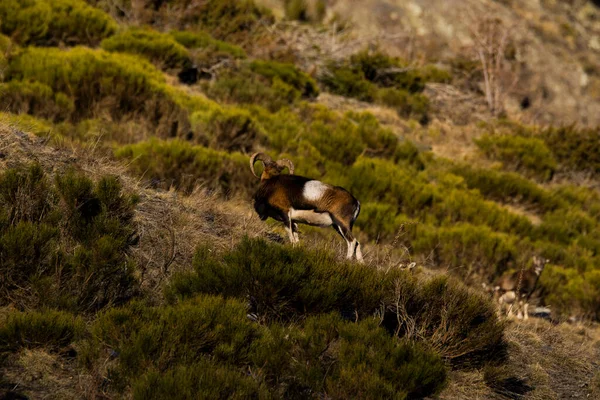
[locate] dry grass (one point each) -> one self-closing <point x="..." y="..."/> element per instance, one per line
<point x="44" y="375"/>
<point x="555" y="361"/>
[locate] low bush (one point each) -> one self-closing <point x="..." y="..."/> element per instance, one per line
<point x="204" y="380"/>
<point x="376" y="77"/>
<point x="305" y="10"/>
<point x="202" y="40"/>
<point x="227" y="128"/>
<point x="98" y="82"/>
<point x="205" y="346"/>
<point x="35" y="98"/>
<point x="205" y="51"/>
<point x="283" y="284"/>
<point x="406" y="104"/>
<point x="65" y="244"/>
<point x="574" y="148"/>
<point x="26" y="123"/>
<point x="232" y="20"/>
<point x="467" y="250"/>
<point x="185" y="166"/>
<point x="51" y="22"/>
<point x="242" y="86"/>
<point x="341" y="360"/>
<point x="527" y="155"/>
<point x="459" y="323"/>
<point x="508" y="187"/>
<point x="572" y="292"/>
<point x="287" y="73"/>
<point x="159" y="48"/>
<point x="580" y="196"/>
<point x="49" y="329"/>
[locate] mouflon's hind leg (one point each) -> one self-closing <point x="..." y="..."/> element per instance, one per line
<point x="295" y="232"/>
<point x="289" y="228"/>
<point x="353" y="244"/>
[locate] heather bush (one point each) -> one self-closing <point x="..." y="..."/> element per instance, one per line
<point x="26" y="123"/>
<point x="35" y="98"/>
<point x="232" y="20"/>
<point x="574" y="148"/>
<point x="48" y="329"/>
<point x="159" y="48"/>
<point x="287" y="73"/>
<point x="204" y="380"/>
<point x="51" y="22"/>
<point x="98" y="82"/>
<point x="202" y="40"/>
<point x="305" y="10"/>
<point x="343" y="360"/>
<point x="185" y="166"/>
<point x="527" y="155"/>
<point x="204" y="346"/>
<point x="242" y="86"/>
<point x="508" y="187"/>
<point x="227" y="128"/>
<point x="467" y="250"/>
<point x="65" y="244"/>
<point x="283" y="283"/>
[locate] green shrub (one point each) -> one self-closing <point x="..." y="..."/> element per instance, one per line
<point x="202" y="40"/>
<point x="467" y="250"/>
<point x="160" y="48"/>
<point x="508" y="187"/>
<point x="205" y="346"/>
<point x="282" y="283"/>
<point x="377" y="77"/>
<point x="50" y="22"/>
<point x="230" y="20"/>
<point x="576" y="149"/>
<point x="572" y="292"/>
<point x="580" y="196"/>
<point x="305" y="10"/>
<point x="65" y="245"/>
<point x="340" y="360"/>
<point x="242" y="86"/>
<point x="406" y="104"/>
<point x="204" y="380"/>
<point x="47" y="328"/>
<point x="565" y="224"/>
<point x="347" y="82"/>
<point x="160" y="338"/>
<point x="26" y="123"/>
<point x="118" y="85"/>
<point x="24" y="97"/>
<point x="205" y="51"/>
<point x="529" y="156"/>
<point x="230" y="129"/>
<point x="458" y="322"/>
<point x="287" y="73"/>
<point x="185" y="166"/>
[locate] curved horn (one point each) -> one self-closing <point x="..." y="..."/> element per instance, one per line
<point x="284" y="162"/>
<point x="258" y="157"/>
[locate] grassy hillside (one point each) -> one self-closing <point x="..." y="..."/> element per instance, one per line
<point x="132" y="258"/>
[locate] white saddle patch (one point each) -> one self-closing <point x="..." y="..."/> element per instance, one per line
<point x="310" y="217"/>
<point x="314" y="190"/>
